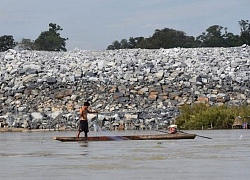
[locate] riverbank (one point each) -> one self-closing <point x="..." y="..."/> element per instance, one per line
<point x="144" y="87"/>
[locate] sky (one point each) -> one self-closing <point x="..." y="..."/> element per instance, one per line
<point x="96" y="24"/>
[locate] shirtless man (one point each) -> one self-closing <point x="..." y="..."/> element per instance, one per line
<point x="83" y="126"/>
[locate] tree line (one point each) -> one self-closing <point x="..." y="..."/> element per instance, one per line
<point x="50" y="40"/>
<point x="215" y="36"/>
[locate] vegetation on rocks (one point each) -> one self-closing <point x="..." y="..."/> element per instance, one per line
<point x="204" y="116"/>
<point x="214" y="36"/>
<point x="50" y="40"/>
<point x="6" y="42"/>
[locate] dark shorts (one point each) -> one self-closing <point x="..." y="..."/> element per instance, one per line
<point x="84" y="126"/>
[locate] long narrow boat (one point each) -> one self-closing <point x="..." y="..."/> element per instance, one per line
<point x="131" y="137"/>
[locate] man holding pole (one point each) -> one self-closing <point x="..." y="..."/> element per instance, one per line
<point x="84" y="126"/>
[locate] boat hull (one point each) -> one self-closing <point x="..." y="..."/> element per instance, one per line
<point x="132" y="137"/>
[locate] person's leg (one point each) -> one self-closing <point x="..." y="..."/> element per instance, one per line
<point x="78" y="134"/>
<point x="86" y="134"/>
<point x="80" y="129"/>
<point x="86" y="128"/>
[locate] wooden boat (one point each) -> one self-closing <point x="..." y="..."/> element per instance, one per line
<point x="131" y="137"/>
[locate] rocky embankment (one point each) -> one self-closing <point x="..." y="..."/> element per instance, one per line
<point x="46" y="89"/>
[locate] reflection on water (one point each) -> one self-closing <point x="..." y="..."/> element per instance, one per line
<point x="84" y="145"/>
<point x="38" y="156"/>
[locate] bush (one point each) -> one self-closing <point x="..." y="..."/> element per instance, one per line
<point x="203" y="116"/>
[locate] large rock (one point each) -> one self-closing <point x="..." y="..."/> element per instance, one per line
<point x="41" y="84"/>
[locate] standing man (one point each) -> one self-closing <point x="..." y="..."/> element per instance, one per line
<point x="84" y="126"/>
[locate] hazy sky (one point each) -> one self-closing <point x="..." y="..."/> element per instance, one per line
<point x="95" y="24"/>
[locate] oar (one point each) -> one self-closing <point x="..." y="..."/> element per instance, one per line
<point x="188" y="133"/>
<point x="197" y="135"/>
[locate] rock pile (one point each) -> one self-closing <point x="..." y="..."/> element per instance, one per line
<point x="44" y="89"/>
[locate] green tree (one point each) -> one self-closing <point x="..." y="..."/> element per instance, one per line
<point x="245" y="31"/>
<point x="137" y="41"/>
<point x="132" y="42"/>
<point x="7" y="42"/>
<point x="212" y="38"/>
<point x="145" y="43"/>
<point x="165" y="38"/>
<point x="231" y="40"/>
<point x="124" y="44"/>
<point x="115" y="45"/>
<point x="168" y="38"/>
<point x="51" y="40"/>
<point x="26" y="44"/>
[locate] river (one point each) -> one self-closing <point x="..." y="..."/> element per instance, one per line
<point x="35" y="155"/>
